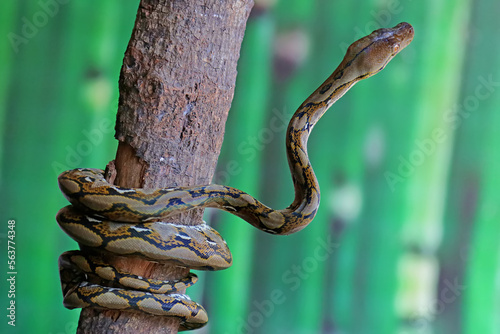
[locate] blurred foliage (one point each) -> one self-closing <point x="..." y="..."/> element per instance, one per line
<point x="407" y="236"/>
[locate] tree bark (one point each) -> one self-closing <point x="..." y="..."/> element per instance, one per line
<point x="176" y="87"/>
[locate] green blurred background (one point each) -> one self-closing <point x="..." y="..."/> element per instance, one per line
<point x="406" y="238"/>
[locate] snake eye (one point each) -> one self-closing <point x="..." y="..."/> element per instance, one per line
<point x="395" y="48"/>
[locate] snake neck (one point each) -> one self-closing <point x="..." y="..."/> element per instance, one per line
<point x="307" y="195"/>
<point x="363" y="58"/>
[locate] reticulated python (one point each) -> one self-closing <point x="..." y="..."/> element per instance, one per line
<point x="104" y="217"/>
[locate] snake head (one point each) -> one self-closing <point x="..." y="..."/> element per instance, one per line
<point x="370" y="54"/>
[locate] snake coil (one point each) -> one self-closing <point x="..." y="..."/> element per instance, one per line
<point x="134" y="222"/>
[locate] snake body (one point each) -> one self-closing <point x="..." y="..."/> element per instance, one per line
<point x="107" y="218"/>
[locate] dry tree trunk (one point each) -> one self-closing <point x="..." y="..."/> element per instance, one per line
<point x="176" y="87"/>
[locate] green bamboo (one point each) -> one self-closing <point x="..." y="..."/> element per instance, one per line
<point x="476" y="178"/>
<point x="30" y="108"/>
<point x="33" y="107"/>
<point x="6" y="56"/>
<point x="342" y="170"/>
<point x="368" y="149"/>
<point x="424" y="167"/>
<point x="295" y="270"/>
<point x="430" y="152"/>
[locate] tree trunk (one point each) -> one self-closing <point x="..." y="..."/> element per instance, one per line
<point x="176" y="87"/>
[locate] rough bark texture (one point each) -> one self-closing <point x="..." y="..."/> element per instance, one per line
<point x="176" y="88"/>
